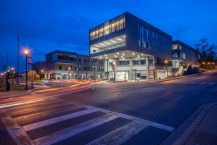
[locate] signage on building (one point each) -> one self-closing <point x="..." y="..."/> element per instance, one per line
<point x="29" y="60"/>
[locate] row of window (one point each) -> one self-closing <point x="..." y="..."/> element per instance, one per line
<point x="107" y="29"/>
<point x="75" y="59"/>
<point x="97" y="68"/>
<point x="179" y="55"/>
<point x="109" y="47"/>
<point x="134" y="62"/>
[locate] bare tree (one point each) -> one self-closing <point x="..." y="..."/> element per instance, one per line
<point x="211" y="54"/>
<point x="207" y="52"/>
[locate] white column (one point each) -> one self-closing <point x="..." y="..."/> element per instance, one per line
<point x="130" y="70"/>
<point x="147" y="68"/>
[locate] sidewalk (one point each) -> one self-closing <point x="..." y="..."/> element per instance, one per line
<point x="206" y="132"/>
<point x="14" y="93"/>
<point x="199" y="129"/>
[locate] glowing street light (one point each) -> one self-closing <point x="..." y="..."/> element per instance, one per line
<point x="12" y="68"/>
<point x="26" y="52"/>
<point x="166" y="63"/>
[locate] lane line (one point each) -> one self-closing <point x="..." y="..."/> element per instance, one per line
<point x="71" y="131"/>
<point x="120" y="135"/>
<point x="23" y="111"/>
<point x="21" y="103"/>
<point x="46" y="90"/>
<point x="57" y="119"/>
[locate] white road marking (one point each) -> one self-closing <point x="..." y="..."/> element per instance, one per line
<point x="145" y="122"/>
<point x="120" y="135"/>
<point x="71" y="131"/>
<point x="21" y="103"/>
<point x="57" y="119"/>
<point x="16" y="131"/>
<point x="117" y="136"/>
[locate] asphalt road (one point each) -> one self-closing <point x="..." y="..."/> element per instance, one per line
<point x="109" y="113"/>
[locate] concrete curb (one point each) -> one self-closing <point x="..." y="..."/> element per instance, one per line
<point x="182" y="134"/>
<point x="180" y="77"/>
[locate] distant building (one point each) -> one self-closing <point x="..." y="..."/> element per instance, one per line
<point x="184" y="56"/>
<point x="70" y="65"/>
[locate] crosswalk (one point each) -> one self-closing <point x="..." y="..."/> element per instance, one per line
<point x="53" y="121"/>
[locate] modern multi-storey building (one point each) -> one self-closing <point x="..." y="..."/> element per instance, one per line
<point x="130" y="48"/>
<point x="183" y="57"/>
<point x="70" y="65"/>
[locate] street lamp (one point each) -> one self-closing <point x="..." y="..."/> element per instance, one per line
<point x="26" y="52"/>
<point x="166" y="63"/>
<point x="12" y="70"/>
<point x="42" y="73"/>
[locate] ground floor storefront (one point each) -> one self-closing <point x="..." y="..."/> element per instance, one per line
<point x="129" y="65"/>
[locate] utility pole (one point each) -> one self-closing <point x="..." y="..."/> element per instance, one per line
<point x="18" y="59"/>
<point x="7" y="58"/>
<point x="26" y="87"/>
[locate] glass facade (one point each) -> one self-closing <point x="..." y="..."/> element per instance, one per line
<point x="117" y="42"/>
<point x="108" y="28"/>
<point x="154" y="41"/>
<point x="139" y="62"/>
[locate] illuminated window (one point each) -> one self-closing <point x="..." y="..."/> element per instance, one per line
<point x="184" y="56"/>
<point x="175" y="46"/>
<point x="123" y="62"/>
<point x="107" y="29"/>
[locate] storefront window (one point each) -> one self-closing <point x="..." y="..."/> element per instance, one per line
<point x="139" y="62"/>
<point x="123" y="62"/>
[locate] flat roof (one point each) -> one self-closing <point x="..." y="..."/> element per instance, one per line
<point x="184" y="44"/>
<point x="66" y="52"/>
<point x="128" y="13"/>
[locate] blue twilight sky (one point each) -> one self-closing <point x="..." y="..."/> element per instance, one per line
<point x="47" y="25"/>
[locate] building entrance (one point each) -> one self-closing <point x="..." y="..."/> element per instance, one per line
<point x="121" y="76"/>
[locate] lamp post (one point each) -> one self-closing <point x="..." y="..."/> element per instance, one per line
<point x="26" y="52"/>
<point x="42" y="73"/>
<point x="12" y="70"/>
<point x="166" y="63"/>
